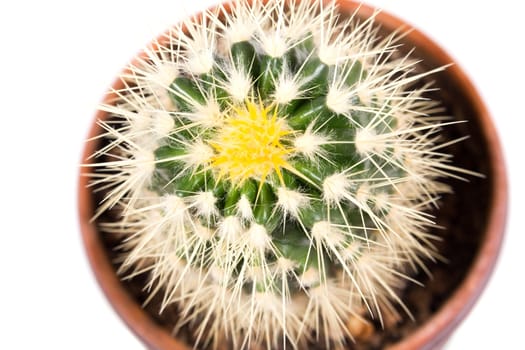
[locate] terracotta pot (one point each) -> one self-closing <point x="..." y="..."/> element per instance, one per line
<point x="486" y="224"/>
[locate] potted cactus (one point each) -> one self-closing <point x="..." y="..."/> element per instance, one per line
<point x="269" y="175"/>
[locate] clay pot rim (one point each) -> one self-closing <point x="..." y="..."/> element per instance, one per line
<point x="429" y="335"/>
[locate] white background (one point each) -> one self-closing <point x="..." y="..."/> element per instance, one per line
<point x="58" y="57"/>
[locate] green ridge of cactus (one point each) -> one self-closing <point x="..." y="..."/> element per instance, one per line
<point x="273" y="165"/>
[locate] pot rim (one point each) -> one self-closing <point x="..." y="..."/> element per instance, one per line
<point x="435" y="331"/>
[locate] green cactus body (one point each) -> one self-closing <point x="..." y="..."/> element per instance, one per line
<point x="272" y="173"/>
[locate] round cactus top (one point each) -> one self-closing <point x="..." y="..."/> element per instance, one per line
<point x="273" y="164"/>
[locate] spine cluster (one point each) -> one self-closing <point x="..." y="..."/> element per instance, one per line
<point x="273" y="165"/>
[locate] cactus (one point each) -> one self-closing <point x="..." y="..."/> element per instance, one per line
<point x="273" y="165"/>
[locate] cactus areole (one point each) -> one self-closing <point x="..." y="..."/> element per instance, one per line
<point x="273" y="165"/>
